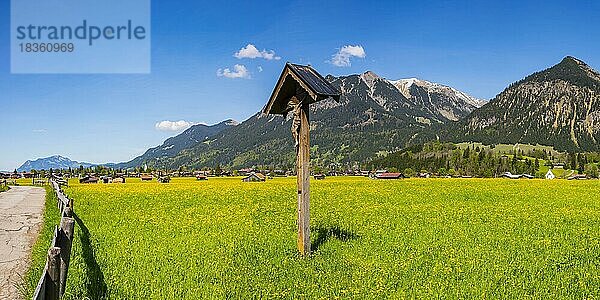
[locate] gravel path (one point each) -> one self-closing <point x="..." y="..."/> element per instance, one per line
<point x="20" y="219"/>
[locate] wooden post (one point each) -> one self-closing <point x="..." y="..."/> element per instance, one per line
<point x="67" y="212"/>
<point x="67" y="226"/>
<point x="303" y="174"/>
<point x="52" y="290"/>
<point x="298" y="87"/>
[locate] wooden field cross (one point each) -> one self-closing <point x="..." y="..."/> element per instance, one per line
<point x="298" y="87"/>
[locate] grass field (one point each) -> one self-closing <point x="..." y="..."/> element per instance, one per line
<point x="423" y="238"/>
<point x="40" y="248"/>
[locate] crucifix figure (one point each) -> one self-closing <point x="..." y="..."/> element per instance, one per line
<point x="295" y="107"/>
<point x="298" y="87"/>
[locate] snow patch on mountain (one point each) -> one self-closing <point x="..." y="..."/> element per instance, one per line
<point x="404" y="86"/>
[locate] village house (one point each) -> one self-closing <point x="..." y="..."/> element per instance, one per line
<point x="319" y="176"/>
<point x="389" y="176"/>
<point x="279" y="172"/>
<point x="246" y="171"/>
<point x="550" y="175"/>
<point x="379" y="172"/>
<point x="254" y="177"/>
<point x="118" y="180"/>
<point x="88" y="179"/>
<point x="509" y="175"/>
<point x="146" y="177"/>
<point x="578" y="177"/>
<point x="201" y="173"/>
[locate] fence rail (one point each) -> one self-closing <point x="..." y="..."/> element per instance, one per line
<point x="52" y="283"/>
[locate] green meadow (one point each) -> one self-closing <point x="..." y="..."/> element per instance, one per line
<point x="413" y="238"/>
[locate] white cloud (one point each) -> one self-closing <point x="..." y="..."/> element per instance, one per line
<point x="342" y="57"/>
<point x="250" y="51"/>
<point x="260" y="69"/>
<point x="40" y="130"/>
<point x="239" y="71"/>
<point x="173" y="125"/>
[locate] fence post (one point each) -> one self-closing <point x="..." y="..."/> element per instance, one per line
<point x="52" y="290"/>
<point x="67" y="212"/>
<point x="67" y="225"/>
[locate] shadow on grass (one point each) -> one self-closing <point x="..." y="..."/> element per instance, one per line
<point x="94" y="283"/>
<point x="323" y="234"/>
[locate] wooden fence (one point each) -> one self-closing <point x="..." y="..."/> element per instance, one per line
<point x="52" y="283"/>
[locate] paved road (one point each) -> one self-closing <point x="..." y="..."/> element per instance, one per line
<point x="20" y="219"/>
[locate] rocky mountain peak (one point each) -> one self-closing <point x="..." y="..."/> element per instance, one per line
<point x="370" y="78"/>
<point x="570" y="58"/>
<point x="404" y="85"/>
<point x="558" y="106"/>
<point x="370" y="74"/>
<point x="571" y="70"/>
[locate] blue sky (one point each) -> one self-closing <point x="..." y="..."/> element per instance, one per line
<point x="476" y="46"/>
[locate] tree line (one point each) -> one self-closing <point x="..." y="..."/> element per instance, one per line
<point x="449" y="159"/>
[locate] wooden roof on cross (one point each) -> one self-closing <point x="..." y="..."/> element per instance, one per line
<point x="303" y="82"/>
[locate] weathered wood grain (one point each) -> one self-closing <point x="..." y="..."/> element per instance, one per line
<point x="67" y="226"/>
<point x="303" y="172"/>
<point x="52" y="289"/>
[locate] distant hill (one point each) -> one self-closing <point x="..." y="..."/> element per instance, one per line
<point x="559" y="107"/>
<point x="194" y="135"/>
<point x="54" y="162"/>
<point x="374" y="114"/>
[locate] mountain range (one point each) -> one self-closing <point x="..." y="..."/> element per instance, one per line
<point x="559" y="107"/>
<point x="374" y="114"/>
<point x="53" y="162"/>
